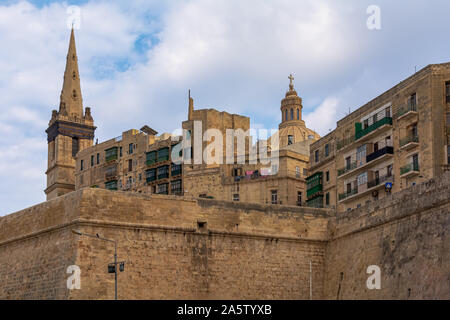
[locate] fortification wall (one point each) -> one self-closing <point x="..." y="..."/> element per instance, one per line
<point x="238" y="251"/>
<point x="35" y="249"/>
<point x="406" y="235"/>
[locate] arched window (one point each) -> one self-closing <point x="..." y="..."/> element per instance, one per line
<point x="292" y="114"/>
<point x="298" y="114"/>
<point x="285" y="115"/>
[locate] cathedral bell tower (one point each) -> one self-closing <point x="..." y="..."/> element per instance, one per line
<point x="69" y="130"/>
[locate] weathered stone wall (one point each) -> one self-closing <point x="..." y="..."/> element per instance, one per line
<point x="36" y="248"/>
<point x="178" y="248"/>
<point x="406" y="236"/>
<point x="241" y="251"/>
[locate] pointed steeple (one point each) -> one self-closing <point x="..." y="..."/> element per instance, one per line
<point x="71" y="90"/>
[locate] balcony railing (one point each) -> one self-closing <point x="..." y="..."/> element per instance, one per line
<point x="344" y="142"/>
<point x="350" y="193"/>
<point x="379" y="153"/>
<point x="409" y="139"/>
<point x="347" y="168"/>
<point x="405" y="110"/>
<point x="380" y="180"/>
<point x="409" y="167"/>
<point x="373" y="127"/>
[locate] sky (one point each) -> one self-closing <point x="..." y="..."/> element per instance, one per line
<point x="139" y="58"/>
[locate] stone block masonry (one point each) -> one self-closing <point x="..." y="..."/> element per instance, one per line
<point x="179" y="248"/>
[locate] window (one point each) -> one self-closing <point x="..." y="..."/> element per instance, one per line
<point x="412" y="101"/>
<point x="447" y="92"/>
<point x="375" y="118"/>
<point x="389" y="170"/>
<point x="175" y="169"/>
<point x="366" y="124"/>
<point x="448" y="154"/>
<point x="327" y="175"/>
<point x="290" y="139"/>
<point x="387" y="112"/>
<point x="305" y="172"/>
<point x="75" y="146"/>
<point x="327" y="150"/>
<point x="162" y="188"/>
<point x="274" y="196"/>
<point x="120" y="153"/>
<point x="81" y="164"/>
<point x="298" y="114"/>
<point x="140" y="176"/>
<point x="292" y="114"/>
<point x="327" y="199"/>
<point x="375" y="147"/>
<point x="236" y="197"/>
<point x="285" y="115"/>
<point x="175" y="187"/>
<point x="414" y="130"/>
<point x="348" y="162"/>
<point x="130" y="165"/>
<point x="362" y="178"/>
<point x="130" y="148"/>
<point x="415" y="162"/>
<point x="299" y="198"/>
<point x="349" y="187"/>
<point x="316" y="156"/>
<point x="92" y="160"/>
<point x="98" y="158"/>
<point x="297" y="172"/>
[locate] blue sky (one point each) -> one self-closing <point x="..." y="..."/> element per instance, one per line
<point x="142" y="56"/>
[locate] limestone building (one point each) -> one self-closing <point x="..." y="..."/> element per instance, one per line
<point x="140" y="161"/>
<point x="398" y="139"/>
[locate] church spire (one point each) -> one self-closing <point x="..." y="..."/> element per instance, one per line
<point x="71" y="98"/>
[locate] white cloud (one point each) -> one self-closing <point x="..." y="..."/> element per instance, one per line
<point x="234" y="55"/>
<point x="323" y="118"/>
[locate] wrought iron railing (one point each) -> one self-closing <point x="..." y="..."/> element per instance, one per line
<point x="414" y="166"/>
<point x="409" y="139"/>
<point x="379" y="153"/>
<point x="374" y="126"/>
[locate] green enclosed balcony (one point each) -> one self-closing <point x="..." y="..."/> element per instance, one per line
<point x="162" y="172"/>
<point x="359" y="132"/>
<point x="316" y="202"/>
<point x="314" y="184"/>
<point x="111" y="154"/>
<point x="163" y="154"/>
<point x="111" y="185"/>
<point x="151" y="158"/>
<point x="150" y="175"/>
<point x="175" y="170"/>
